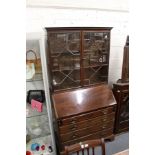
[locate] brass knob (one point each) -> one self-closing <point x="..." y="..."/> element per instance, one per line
<point x="104" y="119"/>
<point x="74" y="128"/>
<point x="104" y="112"/>
<point x="103" y="127"/>
<point x="73" y="122"/>
<point x="74" y="136"/>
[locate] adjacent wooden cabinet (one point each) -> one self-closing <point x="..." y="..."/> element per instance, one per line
<point x="78" y="56"/>
<point x="121" y="92"/>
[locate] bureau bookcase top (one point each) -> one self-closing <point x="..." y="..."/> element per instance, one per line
<point x="78" y="57"/>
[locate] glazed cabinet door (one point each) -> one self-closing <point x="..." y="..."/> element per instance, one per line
<point x="95" y="56"/>
<point x="64" y="48"/>
<point x="78" y="57"/>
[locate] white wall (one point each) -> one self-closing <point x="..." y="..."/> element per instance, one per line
<point x="57" y="14"/>
<point x="89" y="4"/>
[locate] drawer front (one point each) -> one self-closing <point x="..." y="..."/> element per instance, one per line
<point x="87" y="123"/>
<point x="87" y="116"/>
<point x="90" y="130"/>
<point x="100" y="134"/>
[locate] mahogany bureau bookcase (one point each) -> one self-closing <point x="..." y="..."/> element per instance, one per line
<point x="78" y="64"/>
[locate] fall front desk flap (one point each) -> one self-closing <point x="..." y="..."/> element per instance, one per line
<point x="82" y="100"/>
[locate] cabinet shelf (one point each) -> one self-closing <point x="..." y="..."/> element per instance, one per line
<point x="69" y="69"/>
<point x="67" y="52"/>
<point x="37" y="77"/>
<point x="45" y="140"/>
<point x="65" y="69"/>
<point x="89" y="52"/>
<point x="40" y="137"/>
<point x="38" y="126"/>
<point x="34" y="113"/>
<point x="92" y="66"/>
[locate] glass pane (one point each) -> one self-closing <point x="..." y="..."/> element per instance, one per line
<point x="66" y="79"/>
<point x="65" y="59"/>
<point x="96" y="46"/>
<point x="65" y="42"/>
<point x="95" y="60"/>
<point x="94" y="75"/>
<point x="65" y="50"/>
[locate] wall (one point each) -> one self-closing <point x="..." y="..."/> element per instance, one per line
<point x="59" y="14"/>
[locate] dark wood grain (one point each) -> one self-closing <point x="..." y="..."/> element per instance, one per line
<point x="84" y="131"/>
<point x="86" y="113"/>
<point x="85" y="123"/>
<point x="82" y="100"/>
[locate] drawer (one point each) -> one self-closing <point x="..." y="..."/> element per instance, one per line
<point x="86" y="116"/>
<point x="87" y="123"/>
<point x="83" y="132"/>
<point x="100" y="134"/>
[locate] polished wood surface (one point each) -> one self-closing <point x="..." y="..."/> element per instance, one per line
<point x="82" y="100"/>
<point x="83" y="131"/>
<point x="125" y="152"/>
<point x="84" y="114"/>
<point x="109" y="118"/>
<point x="84" y="146"/>
<point x="103" y="113"/>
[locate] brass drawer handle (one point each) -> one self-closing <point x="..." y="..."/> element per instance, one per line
<point x="104" y="127"/>
<point x="104" y="119"/>
<point x="74" y="136"/>
<point x="103" y="112"/>
<point x="74" y="128"/>
<point x="73" y="119"/>
<point x="73" y="122"/>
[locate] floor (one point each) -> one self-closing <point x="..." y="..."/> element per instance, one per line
<point x="120" y="143"/>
